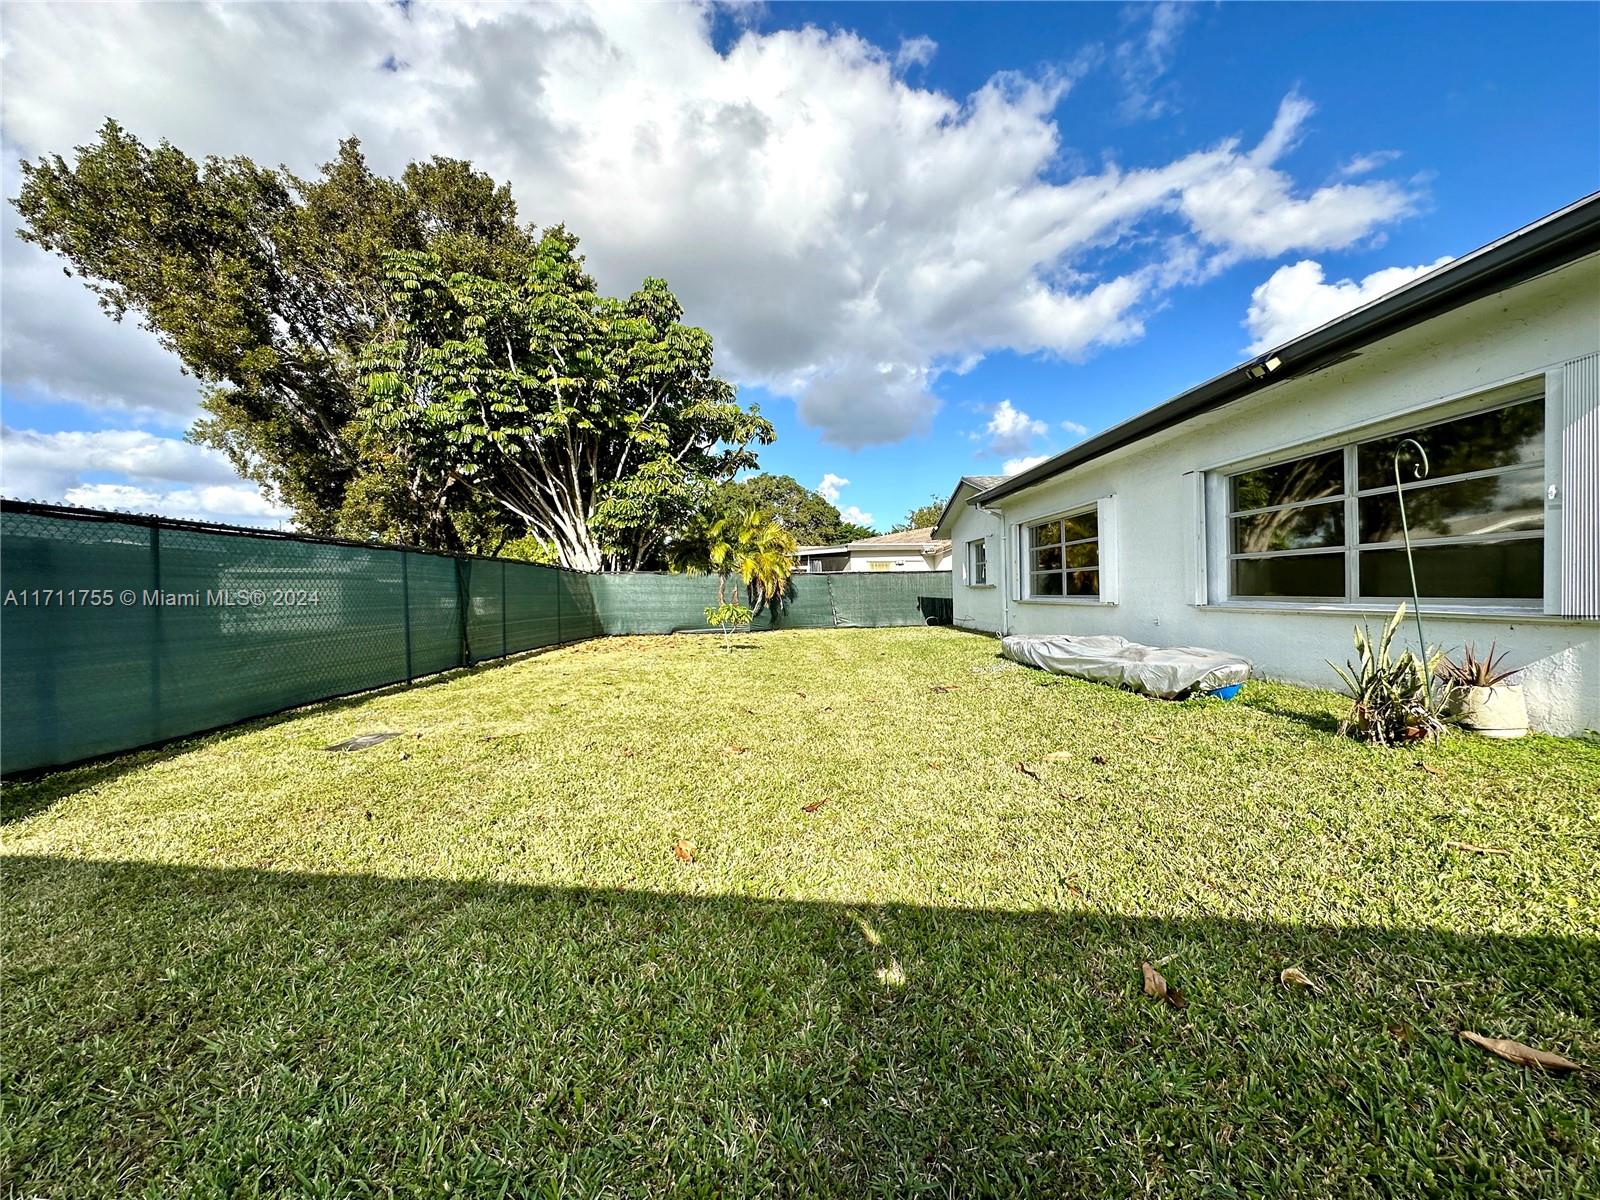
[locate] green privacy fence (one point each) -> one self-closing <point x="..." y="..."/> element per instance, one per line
<point x="120" y="631"/>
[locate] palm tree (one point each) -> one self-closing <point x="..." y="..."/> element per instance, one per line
<point x="752" y="545"/>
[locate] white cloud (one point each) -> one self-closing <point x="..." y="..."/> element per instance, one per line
<point x="1015" y="466"/>
<point x="1011" y="430"/>
<point x="1075" y="428"/>
<point x="1143" y="60"/>
<point x="1365" y="164"/>
<point x="1296" y="298"/>
<point x="846" y="237"/>
<point x="830" y="486"/>
<point x="855" y="516"/>
<point x="231" y="504"/>
<point x="158" y="474"/>
<point x="915" y="51"/>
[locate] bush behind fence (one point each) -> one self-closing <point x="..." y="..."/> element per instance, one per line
<point x="122" y="631"/>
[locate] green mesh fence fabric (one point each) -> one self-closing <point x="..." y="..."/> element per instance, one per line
<point x="118" y="632"/>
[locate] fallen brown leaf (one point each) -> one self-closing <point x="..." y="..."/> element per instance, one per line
<point x="1400" y="1033"/>
<point x="739" y="749"/>
<point x="1156" y="985"/>
<point x="1295" y="977"/>
<point x="1155" y="740"/>
<point x="684" y="851"/>
<point x="944" y="687"/>
<point x="1027" y="770"/>
<point x="1516" y="1052"/>
<point x="1428" y="767"/>
<point x="802" y="695"/>
<point x="1059" y="755"/>
<point x="1470" y="848"/>
<point x="814" y="805"/>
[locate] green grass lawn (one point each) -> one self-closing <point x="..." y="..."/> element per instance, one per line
<point x="468" y="961"/>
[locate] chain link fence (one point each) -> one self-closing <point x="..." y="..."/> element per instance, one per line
<point x="121" y="631"/>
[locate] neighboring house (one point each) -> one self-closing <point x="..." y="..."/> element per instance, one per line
<point x="912" y="550"/>
<point x="1257" y="512"/>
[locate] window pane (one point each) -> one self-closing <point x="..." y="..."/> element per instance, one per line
<point x="1046" y="584"/>
<point x="1496" y="504"/>
<point x="1287" y="483"/>
<point x="1084" y="525"/>
<point x="1047" y="559"/>
<point x="1290" y="529"/>
<point x="1500" y="438"/>
<point x="1048" y="534"/>
<point x="1512" y="570"/>
<point x="1083" y="583"/>
<point x="1319" y="575"/>
<point x="1084" y="554"/>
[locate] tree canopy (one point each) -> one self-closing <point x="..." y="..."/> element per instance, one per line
<point x="923" y="516"/>
<point x="267" y="287"/>
<point x="810" y="518"/>
<point x="596" y="422"/>
<point x="401" y="358"/>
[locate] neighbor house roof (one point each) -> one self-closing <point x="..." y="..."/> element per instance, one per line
<point x="1562" y="237"/>
<point x="919" y="539"/>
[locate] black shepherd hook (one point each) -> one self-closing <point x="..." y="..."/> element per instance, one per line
<point x="1419" y="470"/>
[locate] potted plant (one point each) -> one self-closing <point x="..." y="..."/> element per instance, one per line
<point x="1393" y="702"/>
<point x="1481" y="699"/>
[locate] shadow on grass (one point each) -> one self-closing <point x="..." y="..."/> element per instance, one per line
<point x="185" y="1030"/>
<point x="51" y="784"/>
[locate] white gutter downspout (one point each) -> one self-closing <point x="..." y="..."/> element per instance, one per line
<point x="1005" y="569"/>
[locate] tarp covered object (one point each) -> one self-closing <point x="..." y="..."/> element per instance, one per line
<point x="1166" y="671"/>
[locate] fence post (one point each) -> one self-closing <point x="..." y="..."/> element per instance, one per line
<point x="405" y="603"/>
<point x="463" y="588"/>
<point x="158" y="641"/>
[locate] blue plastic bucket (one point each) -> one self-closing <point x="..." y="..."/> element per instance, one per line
<point x="1225" y="693"/>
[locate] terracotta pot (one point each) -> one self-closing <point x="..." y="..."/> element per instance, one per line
<point x="1498" y="711"/>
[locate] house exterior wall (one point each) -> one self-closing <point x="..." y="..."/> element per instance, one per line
<point x="976" y="607"/>
<point x="1166" y="590"/>
<point x="904" y="558"/>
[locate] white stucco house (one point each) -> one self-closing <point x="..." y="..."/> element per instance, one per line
<point x="910" y="550"/>
<point x="1257" y="512"/>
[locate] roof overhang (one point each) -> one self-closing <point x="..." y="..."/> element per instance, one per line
<point x="1554" y="241"/>
<point x="950" y="504"/>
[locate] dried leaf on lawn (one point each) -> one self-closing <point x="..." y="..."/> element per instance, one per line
<point x="814" y="805"/>
<point x="1516" y="1052"/>
<point x="1470" y="848"/>
<point x="1027" y="770"/>
<point x="1154" y="739"/>
<point x="1059" y="755"/>
<point x="685" y="851"/>
<point x="1428" y="767"/>
<point x="944" y="687"/>
<point x="1295" y="977"/>
<point x="1155" y="984"/>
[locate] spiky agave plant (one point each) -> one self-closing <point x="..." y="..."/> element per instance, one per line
<point x="1393" y="700"/>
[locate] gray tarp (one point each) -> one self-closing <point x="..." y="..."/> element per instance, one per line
<point x="1166" y="671"/>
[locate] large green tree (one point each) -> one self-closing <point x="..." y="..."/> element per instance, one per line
<point x="924" y="516"/>
<point x="267" y="287"/>
<point x="810" y="518"/>
<point x="596" y="422"/>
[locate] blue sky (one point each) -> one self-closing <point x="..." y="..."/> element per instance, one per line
<point x="930" y="240"/>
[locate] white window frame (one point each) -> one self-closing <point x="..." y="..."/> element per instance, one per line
<point x="1105" y="554"/>
<point x="977" y="547"/>
<point x="1213" y="497"/>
